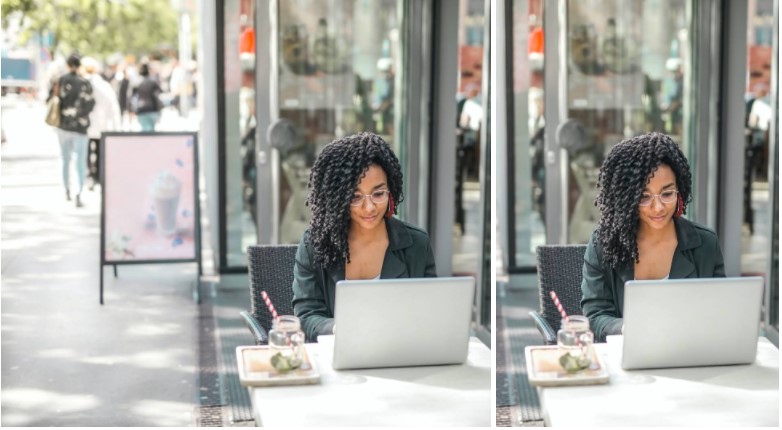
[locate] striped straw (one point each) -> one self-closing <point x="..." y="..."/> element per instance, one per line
<point x="272" y="310"/>
<point x="561" y="311"/>
<point x="558" y="305"/>
<point x="270" y="305"/>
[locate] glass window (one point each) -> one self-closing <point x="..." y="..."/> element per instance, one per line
<point x="470" y="120"/>
<point x="527" y="127"/>
<point x="757" y="121"/>
<point x="760" y="204"/>
<point x="239" y="125"/>
<point x="338" y="64"/>
<point x="629" y="72"/>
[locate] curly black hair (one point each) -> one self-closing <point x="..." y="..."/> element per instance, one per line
<point x="622" y="179"/>
<point x="334" y="177"/>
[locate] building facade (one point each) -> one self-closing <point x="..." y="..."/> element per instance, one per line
<point x="281" y="79"/>
<point x="583" y="75"/>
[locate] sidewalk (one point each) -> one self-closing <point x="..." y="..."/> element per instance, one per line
<point x="67" y="360"/>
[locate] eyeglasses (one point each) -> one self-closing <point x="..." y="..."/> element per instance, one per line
<point x="666" y="197"/>
<point x="377" y="197"/>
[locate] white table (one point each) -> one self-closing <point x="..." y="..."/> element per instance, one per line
<point x="425" y="396"/>
<point x="739" y="395"/>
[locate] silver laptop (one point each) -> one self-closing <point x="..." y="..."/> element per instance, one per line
<point x="691" y="322"/>
<point x="402" y="322"/>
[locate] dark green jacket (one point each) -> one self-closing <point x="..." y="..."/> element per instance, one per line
<point x="698" y="255"/>
<point x="409" y="255"/>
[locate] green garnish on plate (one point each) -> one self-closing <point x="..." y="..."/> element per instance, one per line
<point x="283" y="364"/>
<point x="573" y="364"/>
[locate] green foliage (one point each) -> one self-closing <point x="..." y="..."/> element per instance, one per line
<point x="9" y="6"/>
<point x="98" y="27"/>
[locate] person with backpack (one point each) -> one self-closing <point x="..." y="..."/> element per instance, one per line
<point x="76" y="103"/>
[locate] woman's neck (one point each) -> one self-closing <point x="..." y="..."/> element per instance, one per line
<point x="358" y="234"/>
<point x="657" y="235"/>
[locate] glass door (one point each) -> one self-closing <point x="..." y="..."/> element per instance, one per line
<point x="237" y="123"/>
<point x="526" y="127"/>
<point x="626" y="69"/>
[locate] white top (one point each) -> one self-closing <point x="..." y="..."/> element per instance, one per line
<point x="472" y="113"/>
<point x="666" y="277"/>
<point x="373" y="279"/>
<point x="105" y="115"/>
<point x="738" y="395"/>
<point x="425" y="396"/>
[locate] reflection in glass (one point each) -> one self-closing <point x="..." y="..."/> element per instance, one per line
<point x="470" y="120"/>
<point x="759" y="197"/>
<point x="337" y="77"/>
<point x="628" y="72"/>
<point x="628" y="68"/>
<point x="239" y="120"/>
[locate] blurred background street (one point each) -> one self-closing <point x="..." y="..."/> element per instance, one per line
<point x="267" y="85"/>
<point x="67" y="361"/>
<point x="409" y="71"/>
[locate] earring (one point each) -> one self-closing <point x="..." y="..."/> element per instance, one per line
<point x="390" y="211"/>
<point x="679" y="207"/>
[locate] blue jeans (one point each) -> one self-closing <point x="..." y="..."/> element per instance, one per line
<point x="147" y="120"/>
<point x="70" y="142"/>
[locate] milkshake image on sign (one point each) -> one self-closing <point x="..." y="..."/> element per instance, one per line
<point x="165" y="196"/>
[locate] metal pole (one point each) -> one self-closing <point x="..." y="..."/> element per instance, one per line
<point x="101" y="283"/>
<point x="184" y="61"/>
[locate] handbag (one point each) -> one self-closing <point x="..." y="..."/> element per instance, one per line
<point x="53" y="107"/>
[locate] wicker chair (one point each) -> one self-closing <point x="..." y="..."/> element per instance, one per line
<point x="559" y="269"/>
<point x="271" y="270"/>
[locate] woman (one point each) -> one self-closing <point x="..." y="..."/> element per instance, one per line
<point x="644" y="188"/>
<point x="355" y="189"/>
<point x="148" y="104"/>
<point x="105" y="116"/>
<point x="76" y="103"/>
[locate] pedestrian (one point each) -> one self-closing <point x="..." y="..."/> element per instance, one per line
<point x="177" y="84"/>
<point x="470" y="124"/>
<point x="122" y="83"/>
<point x="148" y="104"/>
<point x="105" y="116"/>
<point x="76" y="103"/>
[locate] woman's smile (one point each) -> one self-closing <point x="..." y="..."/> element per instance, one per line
<point x="660" y="218"/>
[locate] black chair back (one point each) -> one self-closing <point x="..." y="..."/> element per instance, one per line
<point x="560" y="268"/>
<point x="271" y="270"/>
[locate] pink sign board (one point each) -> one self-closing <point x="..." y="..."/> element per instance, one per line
<point x="149" y="198"/>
